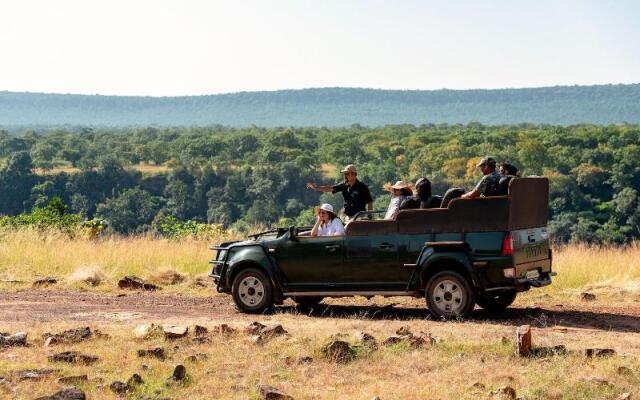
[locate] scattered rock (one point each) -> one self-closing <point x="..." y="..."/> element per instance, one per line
<point x="69" y="336"/>
<point x="367" y="340"/>
<point x="15" y="340"/>
<point x="73" y="379"/>
<point x="146" y="331"/>
<point x="133" y="282"/>
<point x="599" y="352"/>
<point x="549" y="351"/>
<point x="156" y="352"/>
<point x="625" y="396"/>
<point x="44" y="281"/>
<point x="66" y="394"/>
<point x="622" y="370"/>
<point x="478" y="386"/>
<point x="273" y="331"/>
<point x="200" y="330"/>
<point x="505" y="392"/>
<point x="523" y="340"/>
<point x="224" y="329"/>
<point x="254" y="328"/>
<point x="305" y="360"/>
<point x="174" y="331"/>
<point x="135" y="380"/>
<point x="339" y="351"/>
<point x="267" y="392"/>
<point x="167" y="277"/>
<point x="201" y="339"/>
<point x="504" y="340"/>
<point x="393" y="339"/>
<point x="35" y="374"/>
<point x="179" y="373"/>
<point x="194" y="358"/>
<point x="73" y="358"/>
<point x="586" y="296"/>
<point x="118" y="387"/>
<point x="201" y="282"/>
<point x="376" y="398"/>
<point x="404" y="331"/>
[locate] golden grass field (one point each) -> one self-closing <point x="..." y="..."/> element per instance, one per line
<point x="469" y="360"/>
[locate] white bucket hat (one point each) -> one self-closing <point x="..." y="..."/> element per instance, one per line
<point x="327" y="207"/>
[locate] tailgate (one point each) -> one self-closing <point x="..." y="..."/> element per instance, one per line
<point x="530" y="245"/>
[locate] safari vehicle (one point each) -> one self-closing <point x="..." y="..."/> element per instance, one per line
<point x="481" y="251"/>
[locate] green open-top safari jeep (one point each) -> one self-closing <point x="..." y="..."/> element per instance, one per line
<point x="481" y="251"/>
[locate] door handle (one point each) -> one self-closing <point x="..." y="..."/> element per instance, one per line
<point x="386" y="245"/>
<point x="332" y="247"/>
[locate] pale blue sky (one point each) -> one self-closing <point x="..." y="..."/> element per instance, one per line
<point x="190" y="47"/>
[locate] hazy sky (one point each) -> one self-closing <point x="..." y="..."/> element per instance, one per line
<point x="203" y="47"/>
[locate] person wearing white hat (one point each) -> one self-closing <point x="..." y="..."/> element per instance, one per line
<point x="327" y="224"/>
<point x="399" y="191"/>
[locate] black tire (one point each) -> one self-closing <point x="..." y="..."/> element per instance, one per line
<point x="497" y="302"/>
<point x="252" y="291"/>
<point x="307" y="302"/>
<point x="449" y="295"/>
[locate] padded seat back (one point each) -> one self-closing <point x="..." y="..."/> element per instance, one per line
<point x="367" y="228"/>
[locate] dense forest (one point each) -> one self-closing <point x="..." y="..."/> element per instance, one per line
<point x="331" y="107"/>
<point x="246" y="177"/>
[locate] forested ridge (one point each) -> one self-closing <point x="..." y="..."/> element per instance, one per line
<point x="244" y="177"/>
<point x="332" y="107"/>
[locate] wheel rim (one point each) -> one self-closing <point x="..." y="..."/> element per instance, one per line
<point x="449" y="296"/>
<point x="251" y="291"/>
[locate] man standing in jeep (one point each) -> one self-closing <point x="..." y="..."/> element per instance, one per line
<point x="489" y="185"/>
<point x="355" y="193"/>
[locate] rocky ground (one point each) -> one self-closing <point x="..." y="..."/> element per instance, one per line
<point x="346" y="348"/>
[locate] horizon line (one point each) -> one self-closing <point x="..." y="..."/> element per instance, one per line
<point x="321" y="88"/>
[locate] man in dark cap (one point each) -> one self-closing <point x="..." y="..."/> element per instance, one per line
<point x="489" y="185"/>
<point x="355" y="193"/>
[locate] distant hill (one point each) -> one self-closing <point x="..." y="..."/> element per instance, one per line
<point x="599" y="104"/>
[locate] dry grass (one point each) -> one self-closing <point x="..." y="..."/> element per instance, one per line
<point x="467" y="353"/>
<point x="25" y="254"/>
<point x="150" y="169"/>
<point x="468" y="362"/>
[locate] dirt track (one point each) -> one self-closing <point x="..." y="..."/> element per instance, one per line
<point x="75" y="306"/>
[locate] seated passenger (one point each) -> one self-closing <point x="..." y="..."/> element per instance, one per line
<point x="423" y="197"/>
<point x="327" y="224"/>
<point x="399" y="192"/>
<point x="507" y="173"/>
<point x="489" y="184"/>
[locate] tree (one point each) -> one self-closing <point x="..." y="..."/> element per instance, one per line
<point x="132" y="211"/>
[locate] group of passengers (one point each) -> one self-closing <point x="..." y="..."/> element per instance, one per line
<point x="357" y="196"/>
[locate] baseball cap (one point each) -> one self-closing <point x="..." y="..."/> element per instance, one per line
<point x="490" y="161"/>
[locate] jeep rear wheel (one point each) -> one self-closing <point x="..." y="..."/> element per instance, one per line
<point x="449" y="295"/>
<point x="497" y="302"/>
<point x="252" y="291"/>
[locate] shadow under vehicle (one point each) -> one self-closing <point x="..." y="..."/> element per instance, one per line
<point x="481" y="251"/>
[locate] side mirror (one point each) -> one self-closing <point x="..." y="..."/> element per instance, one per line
<point x="292" y="233"/>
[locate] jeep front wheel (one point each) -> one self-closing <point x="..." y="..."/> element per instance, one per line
<point x="448" y="295"/>
<point x="252" y="291"/>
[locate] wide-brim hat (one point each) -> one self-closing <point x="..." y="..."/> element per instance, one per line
<point x="399" y="185"/>
<point x="349" y="168"/>
<point x="326" y="207"/>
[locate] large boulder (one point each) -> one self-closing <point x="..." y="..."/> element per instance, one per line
<point x="267" y="392"/>
<point x="66" y="394"/>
